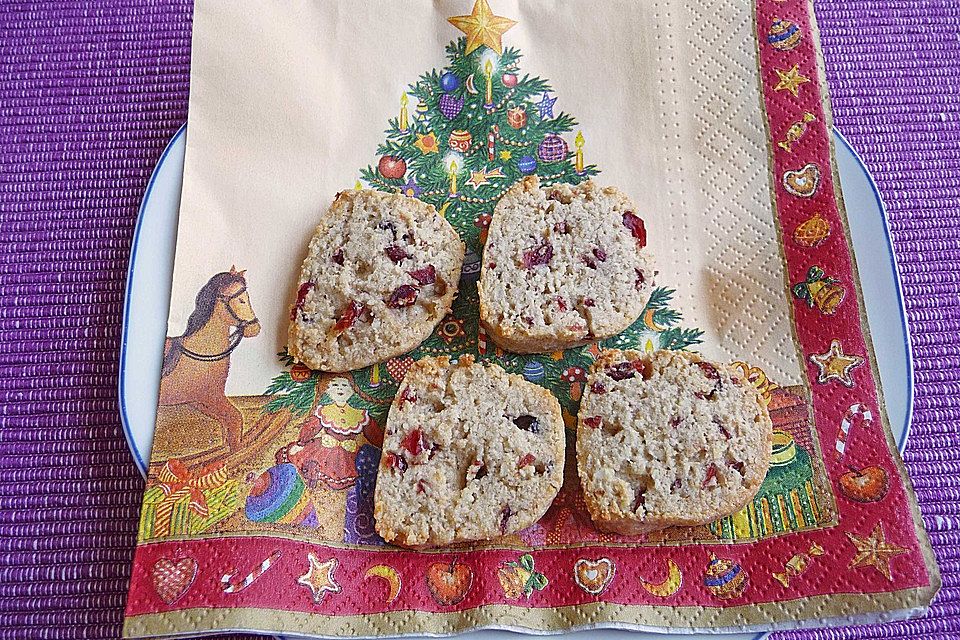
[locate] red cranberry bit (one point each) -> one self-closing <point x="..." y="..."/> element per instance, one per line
<point x="403" y="296"/>
<point x="426" y="275"/>
<point x="635" y="224"/>
<point x="413" y="442"/>
<point x="639" y="498"/>
<point x="527" y="423"/>
<point x="589" y="302"/>
<point x="481" y="470"/>
<point x="709" y="370"/>
<point x="638" y="283"/>
<point x="528" y="458"/>
<point x="491" y="265"/>
<point x="302" y="292"/>
<point x="396" y="253"/>
<point x="675" y="421"/>
<point x="397" y="462"/>
<point x="587" y="260"/>
<point x="599" y="254"/>
<point x="338" y="257"/>
<point x="644" y="367"/>
<point x="421" y="486"/>
<point x="621" y="371"/>
<point x="598" y="388"/>
<point x="554" y="194"/>
<point x="407" y="395"/>
<point x="593" y="422"/>
<point x="561" y="303"/>
<point x="505" y="514"/>
<point x="541" y="254"/>
<point x="711" y="474"/>
<point x="737" y="466"/>
<point x="723" y="429"/>
<point x="348" y="316"/>
<point x="562" y="227"/>
<point x="676" y="484"/>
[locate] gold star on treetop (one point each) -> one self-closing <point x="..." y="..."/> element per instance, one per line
<point x="791" y="80"/>
<point x="835" y="365"/>
<point x="875" y="551"/>
<point x="319" y="577"/>
<point x="482" y="27"/>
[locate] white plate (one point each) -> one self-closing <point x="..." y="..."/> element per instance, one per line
<point x="151" y="269"/>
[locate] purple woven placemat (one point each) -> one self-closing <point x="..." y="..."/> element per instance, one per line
<point x="89" y="95"/>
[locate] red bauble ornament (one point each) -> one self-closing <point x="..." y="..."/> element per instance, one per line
<point x="509" y="80"/>
<point x="392" y="167"/>
<point x="300" y="373"/>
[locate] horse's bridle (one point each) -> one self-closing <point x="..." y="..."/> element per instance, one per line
<point x="235" y="337"/>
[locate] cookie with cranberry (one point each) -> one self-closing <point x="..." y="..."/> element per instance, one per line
<point x="563" y="265"/>
<point x="470" y="453"/>
<point x="381" y="272"/>
<point x="668" y="439"/>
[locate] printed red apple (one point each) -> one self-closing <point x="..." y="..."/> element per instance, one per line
<point x="449" y="583"/>
<point x="868" y="484"/>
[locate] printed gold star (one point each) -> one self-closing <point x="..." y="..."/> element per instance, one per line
<point x="319" y="577"/>
<point x="482" y="27"/>
<point x="505" y="155"/>
<point x="427" y="143"/>
<point x="791" y="80"/>
<point x="835" y="365"/>
<point x="875" y="551"/>
<point x="478" y="178"/>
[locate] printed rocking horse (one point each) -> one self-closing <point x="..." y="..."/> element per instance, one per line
<point x="196" y="364"/>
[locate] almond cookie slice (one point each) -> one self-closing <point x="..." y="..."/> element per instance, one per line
<point x="381" y="272"/>
<point x="563" y="266"/>
<point x="470" y="453"/>
<point x="667" y="439"/>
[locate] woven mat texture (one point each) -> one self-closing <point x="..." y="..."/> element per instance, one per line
<point x="90" y="93"/>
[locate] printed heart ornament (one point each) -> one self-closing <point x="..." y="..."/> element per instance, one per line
<point x="173" y="578"/>
<point x="804" y="182"/>
<point x="398" y="367"/>
<point x="594" y="576"/>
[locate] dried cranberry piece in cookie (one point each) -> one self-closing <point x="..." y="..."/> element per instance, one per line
<point x="541" y="254"/>
<point x="561" y="303"/>
<point x="395" y="461"/>
<point x="348" y="316"/>
<point x="302" y="292"/>
<point x="526" y="459"/>
<point x="414" y="442"/>
<point x="711" y="474"/>
<point x="635" y="224"/>
<point x="621" y="371"/>
<point x="426" y="275"/>
<point x="599" y="254"/>
<point x="407" y="395"/>
<point x="638" y="283"/>
<point x="598" y="388"/>
<point x="396" y="253"/>
<point x="562" y="227"/>
<point x="589" y="302"/>
<point x="338" y="257"/>
<point x="593" y="422"/>
<point x="403" y="296"/>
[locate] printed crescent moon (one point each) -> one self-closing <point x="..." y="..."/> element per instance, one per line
<point x="390" y="575"/>
<point x="469" y="84"/>
<point x="669" y="586"/>
<point x="648" y="320"/>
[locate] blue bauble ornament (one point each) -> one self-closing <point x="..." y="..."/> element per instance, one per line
<point x="533" y="371"/>
<point x="449" y="81"/>
<point x="527" y="164"/>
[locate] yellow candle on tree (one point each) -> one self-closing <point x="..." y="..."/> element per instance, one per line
<point x="404" y="118"/>
<point x="578" y="141"/>
<point x="488" y="72"/>
<point x="453" y="178"/>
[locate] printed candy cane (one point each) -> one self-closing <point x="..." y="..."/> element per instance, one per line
<point x="232" y="585"/>
<point x="492" y="141"/>
<point x="482" y="341"/>
<point x="848" y="417"/>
